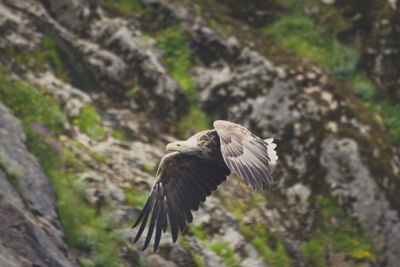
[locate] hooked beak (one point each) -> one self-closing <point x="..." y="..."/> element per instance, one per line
<point x="170" y="147"/>
<point x="177" y="146"/>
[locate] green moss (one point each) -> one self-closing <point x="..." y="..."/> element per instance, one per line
<point x="293" y="6"/>
<point x="226" y="253"/>
<point x="362" y="86"/>
<point x="173" y="42"/>
<point x="124" y="6"/>
<point x="196" y="120"/>
<point x="53" y="56"/>
<point x="275" y="256"/>
<point x="313" y="253"/>
<point x="196" y="259"/>
<point x="39" y="59"/>
<point x="343" y="236"/>
<point x="30" y="104"/>
<point x="99" y="157"/>
<point x="90" y="123"/>
<point x="299" y="34"/>
<point x="198" y="232"/>
<point x="12" y="171"/>
<point x="135" y="197"/>
<point x="391" y="117"/>
<point x="134" y="92"/>
<point x="199" y="262"/>
<point x="118" y="135"/>
<point x="149" y="169"/>
<point x="269" y="245"/>
<point x="85" y="227"/>
<point x="15" y="172"/>
<point x="222" y="29"/>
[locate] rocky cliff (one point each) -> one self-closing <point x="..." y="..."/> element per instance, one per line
<point x="91" y="92"/>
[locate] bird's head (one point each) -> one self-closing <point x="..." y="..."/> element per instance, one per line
<point x="181" y="146"/>
<point x="184" y="146"/>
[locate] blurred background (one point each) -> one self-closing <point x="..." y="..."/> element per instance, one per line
<point x="91" y="91"/>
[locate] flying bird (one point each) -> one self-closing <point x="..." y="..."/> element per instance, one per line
<point x="187" y="176"/>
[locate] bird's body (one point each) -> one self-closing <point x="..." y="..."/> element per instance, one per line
<point x="186" y="177"/>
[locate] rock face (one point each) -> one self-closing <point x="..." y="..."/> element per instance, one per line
<point x="330" y="151"/>
<point x="31" y="233"/>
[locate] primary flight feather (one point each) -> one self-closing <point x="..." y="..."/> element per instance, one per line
<point x="187" y="176"/>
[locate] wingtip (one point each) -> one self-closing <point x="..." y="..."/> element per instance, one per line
<point x="273" y="157"/>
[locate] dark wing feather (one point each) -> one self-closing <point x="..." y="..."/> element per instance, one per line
<point x="183" y="182"/>
<point x="244" y="153"/>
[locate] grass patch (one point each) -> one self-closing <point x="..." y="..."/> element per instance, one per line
<point x="196" y="120"/>
<point x="174" y="44"/>
<point x="118" y="135"/>
<point x="198" y="232"/>
<point x="15" y="172"/>
<point x="99" y="157"/>
<point x="90" y="123"/>
<point x="196" y="259"/>
<point x="299" y="34"/>
<point x="135" y="197"/>
<point x="177" y="49"/>
<point x="124" y="6"/>
<point x="30" y="104"/>
<point x="222" y="249"/>
<point x="268" y="245"/>
<point x="39" y="59"/>
<point x="275" y="256"/>
<point x="85" y="229"/>
<point x="313" y="253"/>
<point x="226" y="253"/>
<point x="362" y="86"/>
<point x="391" y="117"/>
<point x="343" y="236"/>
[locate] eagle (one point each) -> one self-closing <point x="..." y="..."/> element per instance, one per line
<point x="197" y="166"/>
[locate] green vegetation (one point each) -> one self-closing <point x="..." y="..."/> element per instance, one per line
<point x="391" y="117"/>
<point x="149" y="169"/>
<point x="343" y="236"/>
<point x="362" y="86"/>
<point x="15" y="172"/>
<point x="177" y="51"/>
<point x="226" y="253"/>
<point x="276" y="256"/>
<point x="124" y="6"/>
<point x="222" y="249"/>
<point x="117" y="134"/>
<point x="313" y="253"/>
<point x="90" y="123"/>
<point x="173" y="42"/>
<point x="85" y="228"/>
<point x="31" y="105"/>
<point x="224" y="30"/>
<point x="135" y="197"/>
<point x="99" y="157"/>
<point x="268" y="244"/>
<point x="195" y="120"/>
<point x="299" y="34"/>
<point x="40" y="58"/>
<point x="134" y="92"/>
<point x="198" y="232"/>
<point x="197" y="260"/>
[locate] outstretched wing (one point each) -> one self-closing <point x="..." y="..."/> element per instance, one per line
<point x="183" y="182"/>
<point x="246" y="154"/>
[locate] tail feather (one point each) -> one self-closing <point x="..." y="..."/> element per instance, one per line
<point x="273" y="157"/>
